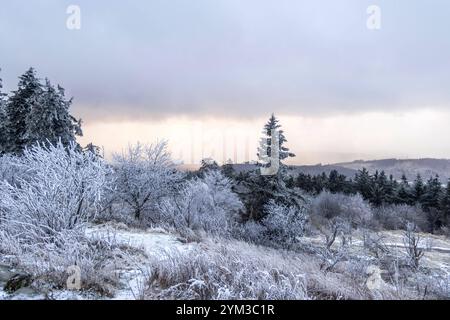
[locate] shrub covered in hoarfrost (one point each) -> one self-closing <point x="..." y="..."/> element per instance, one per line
<point x="349" y="208"/>
<point x="396" y="217"/>
<point x="43" y="216"/>
<point x="10" y="170"/>
<point x="203" y="204"/>
<point x="284" y="224"/>
<point x="145" y="174"/>
<point x="239" y="270"/>
<point x="224" y="274"/>
<point x="60" y="191"/>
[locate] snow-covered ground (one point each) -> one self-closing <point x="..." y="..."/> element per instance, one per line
<point x="152" y="242"/>
<point x="436" y="248"/>
<point x="155" y="242"/>
<point x="132" y="274"/>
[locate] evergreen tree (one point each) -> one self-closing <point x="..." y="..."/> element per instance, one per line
<point x="378" y="189"/>
<point x="432" y="194"/>
<point x="228" y="170"/>
<point x="18" y="109"/>
<point x="304" y="182"/>
<point x="319" y="182"/>
<point x="390" y="188"/>
<point x="266" y="140"/>
<point x="403" y="194"/>
<point x="363" y="183"/>
<point x="336" y="182"/>
<point x="50" y="119"/>
<point x="257" y="190"/>
<point x="290" y="182"/>
<point x="92" y="148"/>
<point x="418" y="189"/>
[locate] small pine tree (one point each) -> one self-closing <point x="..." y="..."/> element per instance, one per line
<point x="418" y="189"/>
<point x="336" y="182"/>
<point x="378" y="188"/>
<point x="432" y="194"/>
<point x="390" y="188"/>
<point x="304" y="182"/>
<point x="403" y="194"/>
<point x="363" y="183"/>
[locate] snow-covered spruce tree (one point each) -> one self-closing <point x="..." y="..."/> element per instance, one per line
<point x="273" y="124"/>
<point x="18" y="109"/>
<point x="203" y="204"/>
<point x="50" y="120"/>
<point x="60" y="193"/>
<point x="145" y="174"/>
<point x="257" y="190"/>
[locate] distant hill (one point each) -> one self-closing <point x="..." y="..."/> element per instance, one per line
<point x="397" y="167"/>
<point x="426" y="167"/>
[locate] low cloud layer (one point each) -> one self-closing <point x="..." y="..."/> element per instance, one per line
<point x="147" y="59"/>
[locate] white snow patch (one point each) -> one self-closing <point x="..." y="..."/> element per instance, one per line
<point x="153" y="242"/>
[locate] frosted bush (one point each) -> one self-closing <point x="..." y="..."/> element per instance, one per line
<point x="43" y="217"/>
<point x="239" y="270"/>
<point x="351" y="209"/>
<point x="61" y="191"/>
<point x="145" y="174"/>
<point x="203" y="204"/>
<point x="284" y="224"/>
<point x="250" y="231"/>
<point x="220" y="189"/>
<point x="10" y="169"/>
<point x="225" y="275"/>
<point x="396" y="217"/>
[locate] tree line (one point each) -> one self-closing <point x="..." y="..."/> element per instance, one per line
<point x="379" y="190"/>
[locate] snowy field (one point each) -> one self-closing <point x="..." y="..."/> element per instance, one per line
<point x="156" y="243"/>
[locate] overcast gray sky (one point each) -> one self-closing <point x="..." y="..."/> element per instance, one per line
<point x="145" y="60"/>
<point x="233" y="57"/>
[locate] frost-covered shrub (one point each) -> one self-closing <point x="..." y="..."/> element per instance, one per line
<point x="220" y="189"/>
<point x="43" y="217"/>
<point x="224" y="274"/>
<point x="349" y="208"/>
<point x="10" y="170"/>
<point x="48" y="263"/>
<point x="239" y="270"/>
<point x="395" y="217"/>
<point x="250" y="231"/>
<point x="144" y="175"/>
<point x="203" y="204"/>
<point x="335" y="215"/>
<point x="61" y="191"/>
<point x="284" y="224"/>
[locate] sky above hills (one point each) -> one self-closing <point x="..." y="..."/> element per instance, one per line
<point x="206" y="74"/>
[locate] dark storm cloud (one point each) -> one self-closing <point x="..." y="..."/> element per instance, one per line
<point x="144" y="59"/>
